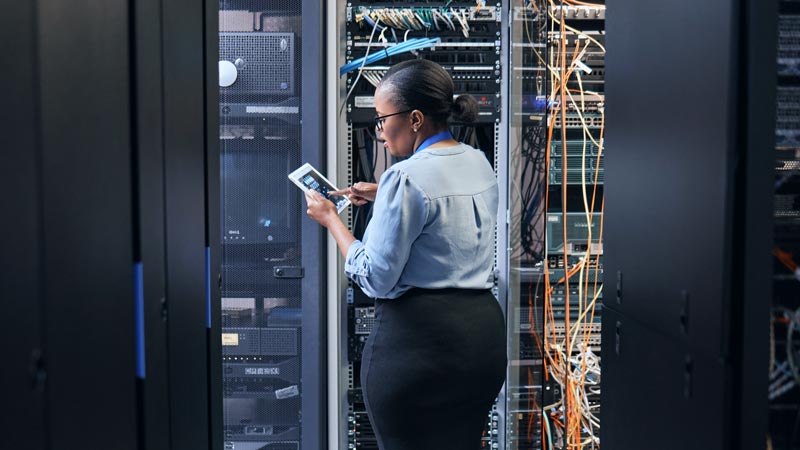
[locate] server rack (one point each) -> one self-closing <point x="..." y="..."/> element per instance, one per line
<point x="473" y="49"/>
<point x="556" y="180"/>
<point x="783" y="397"/>
<point x="272" y="288"/>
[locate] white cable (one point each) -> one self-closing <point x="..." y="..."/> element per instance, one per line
<point x="361" y="69"/>
<point x="461" y="21"/>
<point x="422" y="21"/>
<point x="446" y="17"/>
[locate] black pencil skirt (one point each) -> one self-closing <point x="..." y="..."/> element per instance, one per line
<point x="432" y="367"/>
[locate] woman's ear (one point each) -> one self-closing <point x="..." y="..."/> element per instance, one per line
<point x="417" y="119"/>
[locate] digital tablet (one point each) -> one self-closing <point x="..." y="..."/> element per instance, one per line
<point x="309" y="179"/>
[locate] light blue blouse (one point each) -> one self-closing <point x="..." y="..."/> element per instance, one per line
<point x="432" y="225"/>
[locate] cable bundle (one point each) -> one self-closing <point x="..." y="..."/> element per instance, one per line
<point x="373" y="76"/>
<point x="417" y="18"/>
<point x="390" y="50"/>
<point x="572" y="421"/>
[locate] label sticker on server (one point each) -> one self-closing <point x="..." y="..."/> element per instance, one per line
<point x="230" y="339"/>
<point x="272" y="110"/>
<point x="288" y="392"/>
<point x="262" y="371"/>
<point x="364" y="101"/>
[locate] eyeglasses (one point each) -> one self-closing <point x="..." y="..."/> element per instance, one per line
<point x="379" y="119"/>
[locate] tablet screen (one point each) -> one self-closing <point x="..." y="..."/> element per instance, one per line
<point x="308" y="179"/>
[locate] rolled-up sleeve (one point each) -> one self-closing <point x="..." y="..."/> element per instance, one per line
<point x="398" y="218"/>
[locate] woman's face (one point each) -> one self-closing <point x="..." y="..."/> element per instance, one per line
<point x="398" y="133"/>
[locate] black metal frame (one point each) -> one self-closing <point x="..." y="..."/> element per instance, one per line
<point x="211" y="81"/>
<point x="146" y="68"/>
<point x="753" y="228"/>
<point x="314" y="286"/>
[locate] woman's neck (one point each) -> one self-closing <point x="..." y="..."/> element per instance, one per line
<point x="448" y="140"/>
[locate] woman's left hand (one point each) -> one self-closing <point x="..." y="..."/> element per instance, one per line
<point x="321" y="209"/>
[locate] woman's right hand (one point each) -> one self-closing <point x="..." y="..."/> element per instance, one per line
<point x="359" y="193"/>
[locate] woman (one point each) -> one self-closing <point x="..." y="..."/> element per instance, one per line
<point x="435" y="359"/>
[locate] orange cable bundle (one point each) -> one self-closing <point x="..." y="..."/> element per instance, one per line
<point x="785" y="258"/>
<point x="571" y="413"/>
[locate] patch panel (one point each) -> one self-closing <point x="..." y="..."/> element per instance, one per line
<point x="557" y="273"/>
<point x="577" y="233"/>
<point x="362" y="108"/>
<point x="578" y="12"/>
<point x="593" y="341"/>
<point x="576" y="176"/>
<point x="560" y="312"/>
<point x="560" y="328"/>
<point x="555" y="265"/>
<point x="559" y="293"/>
<point x="421" y="18"/>
<point x="448" y="43"/>
<point x="589" y="103"/>
<point x="524" y="14"/>
<point x="593" y="38"/>
<point x="591" y="120"/>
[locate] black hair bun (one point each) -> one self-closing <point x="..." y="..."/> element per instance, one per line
<point x="465" y="109"/>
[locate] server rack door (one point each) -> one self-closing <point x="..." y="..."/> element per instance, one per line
<point x="86" y="224"/>
<point x="270" y="116"/>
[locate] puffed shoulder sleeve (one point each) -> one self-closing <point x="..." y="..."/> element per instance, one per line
<point x="398" y="217"/>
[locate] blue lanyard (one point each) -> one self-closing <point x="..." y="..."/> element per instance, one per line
<point x="438" y="137"/>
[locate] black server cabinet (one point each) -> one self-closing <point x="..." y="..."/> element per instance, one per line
<point x="272" y="256"/>
<point x="685" y="321"/>
<point x="68" y="320"/>
<point x="105" y="274"/>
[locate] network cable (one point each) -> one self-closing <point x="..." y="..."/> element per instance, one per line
<point x="363" y="63"/>
<point x="390" y="50"/>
